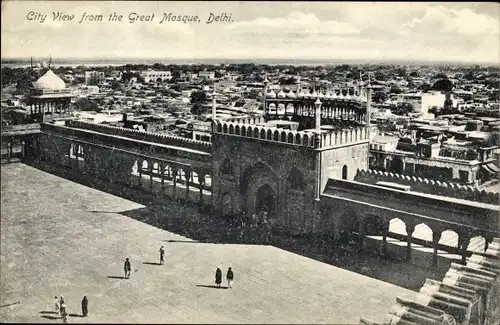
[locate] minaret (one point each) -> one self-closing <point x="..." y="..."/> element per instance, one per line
<point x="214" y="106"/>
<point x="266" y="82"/>
<point x="317" y="103"/>
<point x="368" y="103"/>
<point x="50" y="60"/>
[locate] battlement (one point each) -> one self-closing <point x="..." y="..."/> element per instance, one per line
<point x="429" y="186"/>
<point x="248" y="120"/>
<point x="468" y="294"/>
<point x="297" y="138"/>
<point x="142" y="135"/>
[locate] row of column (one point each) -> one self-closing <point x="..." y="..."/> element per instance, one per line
<point x="10" y="148"/>
<point x="171" y="173"/>
<point x="44" y="107"/>
<point x="463" y="241"/>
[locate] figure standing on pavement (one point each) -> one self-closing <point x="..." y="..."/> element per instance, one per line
<point x="127" y="268"/>
<point x="85" y="306"/>
<point x="56" y="304"/>
<point x="162" y="254"/>
<point x="229" y="277"/>
<point x="218" y="277"/>
<point x="64" y="312"/>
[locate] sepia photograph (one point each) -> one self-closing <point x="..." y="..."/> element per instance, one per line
<point x="250" y="162"/>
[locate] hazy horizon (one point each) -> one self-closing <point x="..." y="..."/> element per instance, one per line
<point x="337" y="31"/>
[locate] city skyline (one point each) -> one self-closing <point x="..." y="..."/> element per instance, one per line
<point x="452" y="32"/>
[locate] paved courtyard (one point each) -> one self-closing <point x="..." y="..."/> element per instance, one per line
<point x="59" y="237"/>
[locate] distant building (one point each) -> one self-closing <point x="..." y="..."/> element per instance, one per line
<point x="209" y="75"/>
<point x="422" y="102"/>
<point x="151" y="75"/>
<point x="94" y="77"/>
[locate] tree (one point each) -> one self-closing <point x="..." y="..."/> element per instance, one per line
<point x="198" y="98"/>
<point x="404" y="108"/>
<point x="85" y="104"/>
<point x="379" y="97"/>
<point x="395" y="90"/>
<point x="443" y="85"/>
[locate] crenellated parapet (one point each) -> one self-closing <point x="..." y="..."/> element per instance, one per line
<point x="248" y="120"/>
<point x="142" y="135"/>
<point x="344" y="137"/>
<point x="429" y="186"/>
<point x="299" y="138"/>
<point x="468" y="294"/>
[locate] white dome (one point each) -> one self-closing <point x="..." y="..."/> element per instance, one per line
<point x="340" y="96"/>
<point x="49" y="81"/>
<point x="334" y="95"/>
<point x="320" y="95"/>
<point x="313" y="95"/>
<point x="281" y="94"/>
<point x="301" y="94"/>
<point x="328" y="95"/>
<point x="271" y="94"/>
<point x="291" y="94"/>
<point x="347" y="96"/>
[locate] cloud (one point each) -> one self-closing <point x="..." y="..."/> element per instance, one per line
<point x="295" y="24"/>
<point x="462" y="22"/>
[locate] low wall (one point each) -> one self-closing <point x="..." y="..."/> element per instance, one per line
<point x="467" y="295"/>
<point x="429" y="186"/>
<point x="143" y="135"/>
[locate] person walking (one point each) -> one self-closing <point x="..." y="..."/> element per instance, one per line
<point x="162" y="254"/>
<point x="85" y="306"/>
<point x="229" y="277"/>
<point x="127" y="268"/>
<point x="56" y="304"/>
<point x="218" y="277"/>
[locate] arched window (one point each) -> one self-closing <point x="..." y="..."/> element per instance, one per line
<point x="227" y="167"/>
<point x="344" y="172"/>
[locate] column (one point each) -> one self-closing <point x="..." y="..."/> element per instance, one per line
<point x="139" y="167"/>
<point x="174" y="174"/>
<point x="9" y="145"/>
<point x="463" y="243"/>
<point x="409" y="231"/>
<point x="162" y="175"/>
<point x="201" y="181"/>
<point x="436" y="236"/>
<point x="150" y="168"/>
<point x="385" y="231"/>
<point x="187" y="176"/>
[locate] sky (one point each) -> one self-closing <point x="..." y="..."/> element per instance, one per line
<point x="439" y="31"/>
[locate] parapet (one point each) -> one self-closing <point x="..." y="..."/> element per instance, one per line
<point x="142" y="135"/>
<point x="468" y="294"/>
<point x="429" y="186"/>
<point x="298" y="138"/>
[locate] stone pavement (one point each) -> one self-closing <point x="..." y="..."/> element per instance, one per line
<point x="59" y="237"/>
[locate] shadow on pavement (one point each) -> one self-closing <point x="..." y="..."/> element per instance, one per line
<point x="116" y="277"/>
<point x="187" y="219"/>
<point x="151" y="263"/>
<point x="76" y="315"/>
<point x="210" y="286"/>
<point x="51" y="317"/>
<point x="48" y="312"/>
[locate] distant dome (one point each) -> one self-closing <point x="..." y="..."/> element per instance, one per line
<point x="334" y="95"/>
<point x="321" y="95"/>
<point x="347" y="96"/>
<point x="49" y="81"/>
<point x="301" y="94"/>
<point x="44" y="64"/>
<point x="271" y="94"/>
<point x="328" y="95"/>
<point x="38" y="65"/>
<point x="291" y="94"/>
<point x="340" y="96"/>
<point x="313" y="95"/>
<point x="281" y="94"/>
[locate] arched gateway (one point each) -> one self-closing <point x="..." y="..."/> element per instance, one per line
<point x="259" y="188"/>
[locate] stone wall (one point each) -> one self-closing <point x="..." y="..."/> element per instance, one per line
<point x="255" y="163"/>
<point x="467" y="295"/>
<point x="429" y="186"/>
<point x="142" y="135"/>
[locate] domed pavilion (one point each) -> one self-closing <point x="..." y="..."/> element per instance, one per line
<point x="49" y="98"/>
